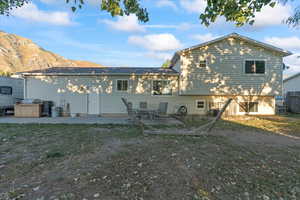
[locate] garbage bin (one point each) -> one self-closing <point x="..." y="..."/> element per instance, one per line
<point x="56" y="111"/>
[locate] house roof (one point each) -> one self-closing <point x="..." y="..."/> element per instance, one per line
<point x="101" y="71"/>
<point x="232" y="35"/>
<point x="291" y="77"/>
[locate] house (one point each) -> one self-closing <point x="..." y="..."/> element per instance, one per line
<point x="11" y="90"/>
<point x="201" y="78"/>
<point x="291" y="84"/>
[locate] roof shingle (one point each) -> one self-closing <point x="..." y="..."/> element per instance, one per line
<point x="99" y="71"/>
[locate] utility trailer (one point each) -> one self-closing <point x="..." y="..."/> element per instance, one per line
<point x="11" y="91"/>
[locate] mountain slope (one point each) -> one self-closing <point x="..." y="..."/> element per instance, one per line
<point x="21" y="54"/>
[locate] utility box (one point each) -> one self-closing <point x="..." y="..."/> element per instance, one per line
<point x="28" y="110"/>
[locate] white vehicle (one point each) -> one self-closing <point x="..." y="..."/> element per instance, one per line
<point x="11" y="91"/>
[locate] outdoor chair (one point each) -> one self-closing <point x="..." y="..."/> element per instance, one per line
<point x="143" y="105"/>
<point x="133" y="114"/>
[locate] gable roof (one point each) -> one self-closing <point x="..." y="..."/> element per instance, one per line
<point x="232" y="35"/>
<point x="100" y="71"/>
<point x="291" y="77"/>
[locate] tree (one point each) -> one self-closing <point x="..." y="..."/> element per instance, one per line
<point x="239" y="11"/>
<point x="166" y="64"/>
<point x="114" y="7"/>
<point x="3" y="73"/>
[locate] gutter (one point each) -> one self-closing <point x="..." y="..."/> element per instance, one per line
<point x="102" y="74"/>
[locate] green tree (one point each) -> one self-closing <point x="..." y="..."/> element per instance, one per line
<point x="3" y="73"/>
<point x="114" y="7"/>
<point x="238" y="11"/>
<point x="242" y="11"/>
<point x="166" y="64"/>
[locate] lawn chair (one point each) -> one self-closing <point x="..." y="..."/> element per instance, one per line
<point x="162" y="110"/>
<point x="133" y="114"/>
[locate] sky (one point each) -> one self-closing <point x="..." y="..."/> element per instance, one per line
<point x="93" y="35"/>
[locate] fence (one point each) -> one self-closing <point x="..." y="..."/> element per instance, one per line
<point x="293" y="102"/>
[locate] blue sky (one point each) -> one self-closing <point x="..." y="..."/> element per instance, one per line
<point x="90" y="34"/>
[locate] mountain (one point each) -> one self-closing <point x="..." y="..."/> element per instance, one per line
<point x="21" y="54"/>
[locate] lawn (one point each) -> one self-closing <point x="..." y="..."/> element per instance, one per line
<point x="252" y="158"/>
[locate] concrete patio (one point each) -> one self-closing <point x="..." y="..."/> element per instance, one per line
<point x="84" y="120"/>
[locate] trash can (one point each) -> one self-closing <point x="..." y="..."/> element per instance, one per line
<point x="56" y="111"/>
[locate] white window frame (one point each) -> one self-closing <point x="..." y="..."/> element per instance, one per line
<point x="200" y="100"/>
<point x="162" y="95"/>
<point x="251" y="113"/>
<point x="206" y="62"/>
<point x="254" y="74"/>
<point x="117" y="85"/>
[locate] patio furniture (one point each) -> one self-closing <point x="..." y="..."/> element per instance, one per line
<point x="162" y="110"/>
<point x="143" y="110"/>
<point x="132" y="113"/>
<point x="143" y="105"/>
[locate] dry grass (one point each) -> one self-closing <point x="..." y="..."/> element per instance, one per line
<point x="117" y="162"/>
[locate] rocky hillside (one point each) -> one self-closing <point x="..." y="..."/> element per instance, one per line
<point x="21" y="54"/>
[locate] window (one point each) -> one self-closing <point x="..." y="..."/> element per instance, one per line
<point x="122" y="85"/>
<point x="255" y="66"/>
<point x="200" y="104"/>
<point x="248" y="107"/>
<point x="202" y="63"/>
<point x="215" y="105"/>
<point x="6" y="90"/>
<point x="161" y="87"/>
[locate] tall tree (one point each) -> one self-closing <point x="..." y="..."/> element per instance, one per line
<point x="166" y="64"/>
<point x="242" y="11"/>
<point x="239" y="11"/>
<point x="114" y="7"/>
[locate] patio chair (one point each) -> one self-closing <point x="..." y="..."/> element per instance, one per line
<point x="162" y="110"/>
<point x="133" y="114"/>
<point x="143" y="105"/>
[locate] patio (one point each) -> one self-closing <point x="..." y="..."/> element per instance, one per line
<point x="122" y="120"/>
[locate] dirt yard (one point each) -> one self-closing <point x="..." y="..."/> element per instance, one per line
<point x="252" y="158"/>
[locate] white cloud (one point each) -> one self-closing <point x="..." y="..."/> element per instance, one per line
<point x="285" y="42"/>
<point x="166" y="3"/>
<point x="272" y="16"/>
<point x="48" y="1"/>
<point x="156" y="42"/>
<point x="159" y="55"/>
<point x="125" y="23"/>
<point x="204" y="37"/>
<point x="32" y="13"/>
<point x="293" y="62"/>
<point x="182" y="26"/>
<point x="194" y="6"/>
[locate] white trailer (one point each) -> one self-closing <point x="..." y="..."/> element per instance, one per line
<point x="11" y="91"/>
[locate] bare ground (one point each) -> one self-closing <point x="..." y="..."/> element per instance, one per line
<point x="235" y="161"/>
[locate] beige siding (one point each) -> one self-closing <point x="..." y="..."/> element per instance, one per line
<point x="224" y="74"/>
<point x="80" y="92"/>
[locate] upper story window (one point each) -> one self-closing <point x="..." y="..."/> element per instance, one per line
<point x="255" y="66"/>
<point x="202" y="63"/>
<point x="6" y="90"/>
<point x="161" y="87"/>
<point x="122" y="85"/>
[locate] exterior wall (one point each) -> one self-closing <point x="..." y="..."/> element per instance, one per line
<point x="224" y="74"/>
<point x="291" y="85"/>
<point x="98" y="94"/>
<point x="177" y="66"/>
<point x="17" y="90"/>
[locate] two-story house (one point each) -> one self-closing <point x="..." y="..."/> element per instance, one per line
<point x="201" y="78"/>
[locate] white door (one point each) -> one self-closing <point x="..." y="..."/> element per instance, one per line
<point x="93" y="103"/>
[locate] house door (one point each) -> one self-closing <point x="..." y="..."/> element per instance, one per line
<point x="93" y="103"/>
